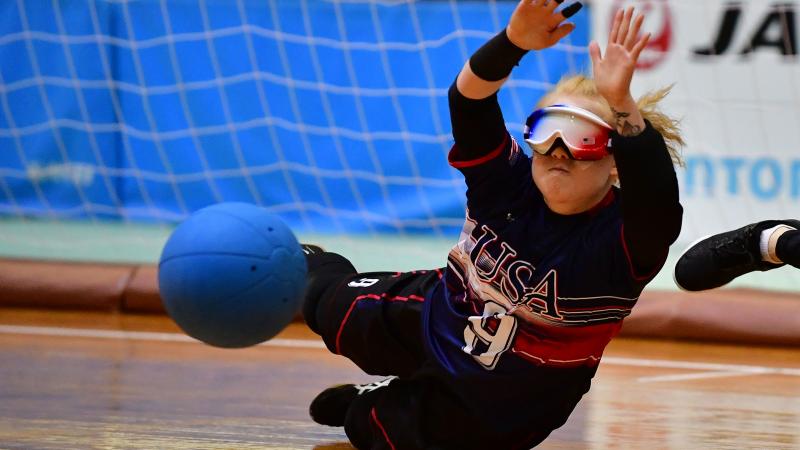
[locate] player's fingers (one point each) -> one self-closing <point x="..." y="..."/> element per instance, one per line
<point x="633" y="33"/>
<point x="571" y="10"/>
<point x="624" y="25"/>
<point x="556" y="19"/>
<point x="612" y="36"/>
<point x="524" y="4"/>
<point x="561" y="31"/>
<point x="637" y="49"/>
<point x="553" y="4"/>
<point x="594" y="53"/>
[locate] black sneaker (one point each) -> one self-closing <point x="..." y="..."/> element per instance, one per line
<point x="310" y="249"/>
<point x="716" y="260"/>
<point x="330" y="406"/>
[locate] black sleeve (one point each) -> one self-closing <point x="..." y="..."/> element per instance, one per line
<point x="478" y="125"/>
<point x="651" y="210"/>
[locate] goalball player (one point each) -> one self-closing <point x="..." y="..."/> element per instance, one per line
<point x="496" y="349"/>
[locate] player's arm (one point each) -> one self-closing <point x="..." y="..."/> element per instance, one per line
<point x="478" y="124"/>
<point x="613" y="71"/>
<point x="651" y="211"/>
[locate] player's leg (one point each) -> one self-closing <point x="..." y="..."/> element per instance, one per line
<point x="422" y="412"/>
<point x="331" y="405"/>
<point x="388" y="418"/>
<point x="716" y="260"/>
<point x="325" y="270"/>
<point x="787" y="247"/>
<point x="374" y="319"/>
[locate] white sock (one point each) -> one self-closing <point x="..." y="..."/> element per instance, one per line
<point x="767" y="242"/>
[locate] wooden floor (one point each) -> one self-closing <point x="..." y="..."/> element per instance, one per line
<point x="96" y="380"/>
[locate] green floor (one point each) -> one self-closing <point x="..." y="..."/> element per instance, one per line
<point x="120" y="243"/>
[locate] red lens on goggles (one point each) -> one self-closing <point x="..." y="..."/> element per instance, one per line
<point x="586" y="136"/>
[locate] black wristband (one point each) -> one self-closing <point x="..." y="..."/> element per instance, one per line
<point x="495" y="59"/>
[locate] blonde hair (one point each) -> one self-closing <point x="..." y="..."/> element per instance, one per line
<point x="669" y="128"/>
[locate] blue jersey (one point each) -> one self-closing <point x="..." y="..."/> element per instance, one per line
<point x="527" y="288"/>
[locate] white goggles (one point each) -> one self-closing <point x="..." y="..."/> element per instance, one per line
<point x="586" y="135"/>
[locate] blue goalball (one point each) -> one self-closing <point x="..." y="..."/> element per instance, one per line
<point x="232" y="275"/>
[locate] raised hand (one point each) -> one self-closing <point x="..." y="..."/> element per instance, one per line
<point x="613" y="71"/>
<point x="536" y="25"/>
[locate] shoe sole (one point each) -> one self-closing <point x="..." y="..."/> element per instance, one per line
<point x="686" y="250"/>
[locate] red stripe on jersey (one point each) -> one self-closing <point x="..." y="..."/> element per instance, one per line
<point x="564" y="347"/>
<point x="607" y="200"/>
<point x="374" y="417"/>
<point x="384" y="296"/>
<point x="476" y="162"/>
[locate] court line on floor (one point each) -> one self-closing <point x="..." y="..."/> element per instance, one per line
<point x="137" y="335"/>
<point x="698" y="376"/>
<point x="710" y="368"/>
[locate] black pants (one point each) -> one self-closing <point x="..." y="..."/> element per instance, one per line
<point x="788" y="248"/>
<point x="374" y="319"/>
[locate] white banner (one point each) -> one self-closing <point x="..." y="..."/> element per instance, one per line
<point x="736" y="72"/>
